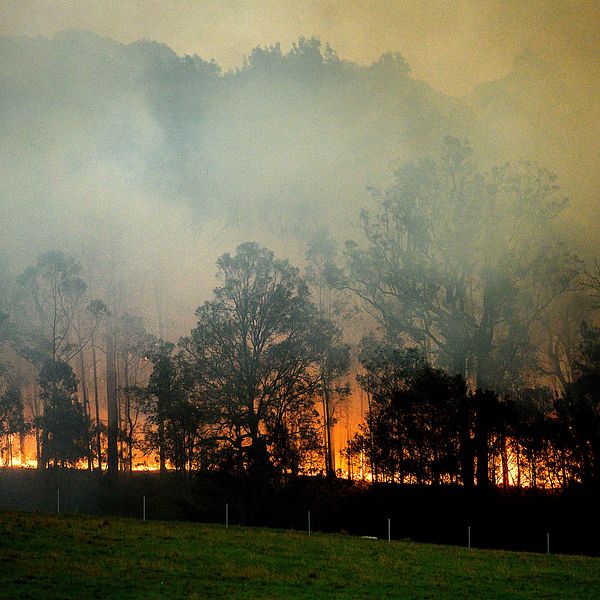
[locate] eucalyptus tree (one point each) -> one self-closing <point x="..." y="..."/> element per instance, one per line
<point x="50" y="334"/>
<point x="179" y="423"/>
<point x="12" y="415"/>
<point x="64" y="420"/>
<point x="134" y="347"/>
<point x="321" y="271"/>
<point x="463" y="264"/>
<point x="414" y="429"/>
<point x="12" y="418"/>
<point x="579" y="409"/>
<point x="255" y="354"/>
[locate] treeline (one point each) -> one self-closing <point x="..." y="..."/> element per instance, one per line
<point x="480" y="368"/>
<point x="240" y="393"/>
<point x="424" y="426"/>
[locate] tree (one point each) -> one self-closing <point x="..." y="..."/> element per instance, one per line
<point x="255" y="355"/>
<point x="134" y="346"/>
<point x="414" y="425"/>
<point x="165" y="387"/>
<point x="64" y="421"/>
<point x="49" y="333"/>
<point x="99" y="310"/>
<point x="53" y="289"/>
<point x="463" y="264"/>
<point x="579" y="409"/>
<point x="12" y="419"/>
<point x="533" y="428"/>
<point x="320" y="272"/>
<point x="591" y="281"/>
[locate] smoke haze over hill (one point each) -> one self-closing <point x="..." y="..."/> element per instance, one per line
<point x="167" y="160"/>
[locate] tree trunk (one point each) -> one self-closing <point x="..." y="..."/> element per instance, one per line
<point x="504" y="455"/>
<point x="111" y="400"/>
<point x="329" y="463"/>
<point x="467" y="460"/>
<point x="23" y="457"/>
<point x="97" y="406"/>
<point x="86" y="401"/>
<point x="482" y="440"/>
<point x="129" y="440"/>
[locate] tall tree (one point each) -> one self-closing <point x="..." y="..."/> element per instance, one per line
<point x="12" y="416"/>
<point x="255" y="353"/>
<point x="134" y="346"/>
<point x="164" y="386"/>
<point x="64" y="420"/>
<point x="463" y="264"/>
<point x="321" y="270"/>
<point x="52" y="294"/>
<point x="112" y="405"/>
<point x="178" y="420"/>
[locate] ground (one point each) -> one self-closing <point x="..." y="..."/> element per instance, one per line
<point x="44" y="556"/>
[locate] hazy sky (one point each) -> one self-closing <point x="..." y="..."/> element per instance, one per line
<point x="452" y="44"/>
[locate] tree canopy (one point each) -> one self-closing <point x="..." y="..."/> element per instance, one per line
<point x="255" y="355"/>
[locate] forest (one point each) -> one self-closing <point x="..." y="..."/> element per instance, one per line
<point x="481" y="366"/>
<point x="450" y="295"/>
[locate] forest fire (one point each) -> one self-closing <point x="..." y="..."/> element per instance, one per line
<point x="285" y="287"/>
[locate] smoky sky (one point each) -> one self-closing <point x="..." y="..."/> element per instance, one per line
<point x="74" y="177"/>
<point x="452" y="45"/>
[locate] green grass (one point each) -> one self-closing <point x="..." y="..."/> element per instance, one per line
<point x="44" y="556"/>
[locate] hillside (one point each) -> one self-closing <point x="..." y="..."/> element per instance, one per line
<point x="85" y="557"/>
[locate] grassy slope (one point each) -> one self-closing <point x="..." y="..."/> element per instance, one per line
<point x="46" y="557"/>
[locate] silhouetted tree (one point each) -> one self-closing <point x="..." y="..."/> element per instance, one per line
<point x="64" y="421"/>
<point x="579" y="409"/>
<point x="255" y="355"/>
<point x="320" y="272"/>
<point x="134" y="347"/>
<point x="12" y="420"/>
<point x="52" y="296"/>
<point x="165" y="390"/>
<point x="412" y="432"/>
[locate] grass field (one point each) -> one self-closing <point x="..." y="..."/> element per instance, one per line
<point x="43" y="556"/>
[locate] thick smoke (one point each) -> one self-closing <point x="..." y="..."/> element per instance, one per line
<point x="148" y="165"/>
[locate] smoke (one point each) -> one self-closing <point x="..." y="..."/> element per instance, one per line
<point x="149" y="167"/>
<point x="452" y="45"/>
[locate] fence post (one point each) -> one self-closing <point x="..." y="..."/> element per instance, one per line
<point x="389" y="530"/>
<point x="469" y="537"/>
<point x="144" y="508"/>
<point x="309" y="532"/>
